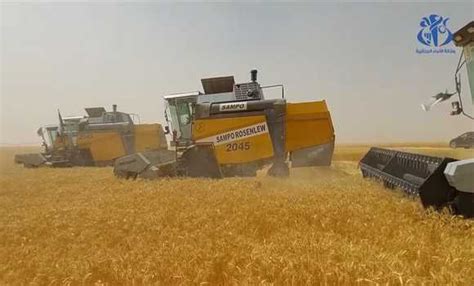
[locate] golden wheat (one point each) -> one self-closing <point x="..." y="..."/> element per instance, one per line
<point x="321" y="226"/>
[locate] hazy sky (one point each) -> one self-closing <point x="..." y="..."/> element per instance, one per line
<point x="361" y="58"/>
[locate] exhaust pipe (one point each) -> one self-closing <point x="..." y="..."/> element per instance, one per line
<point x="253" y="75"/>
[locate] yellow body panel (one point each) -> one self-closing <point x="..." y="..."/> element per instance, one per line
<point x="149" y="137"/>
<point x="237" y="139"/>
<point x="103" y="145"/>
<point x="307" y="124"/>
<point x="107" y="145"/>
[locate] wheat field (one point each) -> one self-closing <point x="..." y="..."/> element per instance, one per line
<point x="321" y="226"/>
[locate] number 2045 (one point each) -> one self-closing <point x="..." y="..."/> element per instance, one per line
<point x="237" y="146"/>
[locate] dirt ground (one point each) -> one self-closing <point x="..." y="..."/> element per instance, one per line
<point x="320" y="226"/>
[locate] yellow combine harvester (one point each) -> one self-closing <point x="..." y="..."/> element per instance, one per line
<point x="232" y="130"/>
<point x="93" y="140"/>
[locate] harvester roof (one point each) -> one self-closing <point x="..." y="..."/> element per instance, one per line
<point x="465" y="35"/>
<point x="218" y="84"/>
<point x="184" y="94"/>
<point x="95" y="111"/>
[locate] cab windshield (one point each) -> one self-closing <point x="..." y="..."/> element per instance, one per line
<point x="48" y="136"/>
<point x="180" y="116"/>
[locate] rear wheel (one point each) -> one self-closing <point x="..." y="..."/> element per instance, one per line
<point x="464" y="204"/>
<point x="83" y="158"/>
<point x="279" y="169"/>
<point x="131" y="175"/>
<point x="241" y="170"/>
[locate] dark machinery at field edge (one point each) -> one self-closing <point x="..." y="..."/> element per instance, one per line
<point x="439" y="182"/>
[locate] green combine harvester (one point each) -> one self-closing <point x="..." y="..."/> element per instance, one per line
<point x="439" y="182"/>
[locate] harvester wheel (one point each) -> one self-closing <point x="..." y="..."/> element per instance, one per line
<point x="279" y="169"/>
<point x="248" y="170"/>
<point x="126" y="175"/>
<point x="463" y="204"/>
<point x="131" y="175"/>
<point x="200" y="161"/>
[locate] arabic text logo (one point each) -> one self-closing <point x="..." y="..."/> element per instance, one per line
<point x="434" y="31"/>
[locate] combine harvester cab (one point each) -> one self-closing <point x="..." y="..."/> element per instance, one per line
<point x="439" y="182"/>
<point x="54" y="147"/>
<point x="232" y="130"/>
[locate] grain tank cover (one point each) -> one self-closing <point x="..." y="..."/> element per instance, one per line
<point x="218" y="84"/>
<point x="465" y="35"/>
<point x="95" y="111"/>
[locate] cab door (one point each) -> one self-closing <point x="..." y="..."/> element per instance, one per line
<point x="180" y="113"/>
